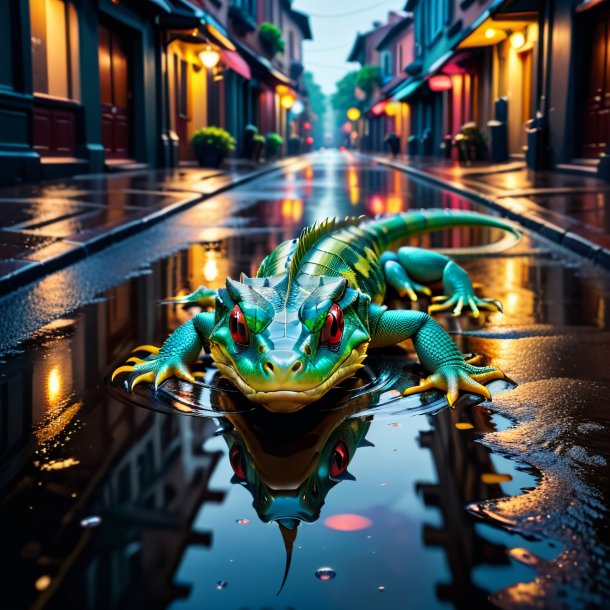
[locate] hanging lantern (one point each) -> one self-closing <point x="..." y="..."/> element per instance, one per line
<point x="393" y="108"/>
<point x="379" y="108"/>
<point x="353" y="114"/>
<point x="209" y="57"/>
<point x="440" y="82"/>
<point x="287" y="101"/>
<point x="517" y="40"/>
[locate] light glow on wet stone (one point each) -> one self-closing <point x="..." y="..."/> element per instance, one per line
<point x="347" y="522"/>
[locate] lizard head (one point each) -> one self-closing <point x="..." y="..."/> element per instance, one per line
<point x="284" y="345"/>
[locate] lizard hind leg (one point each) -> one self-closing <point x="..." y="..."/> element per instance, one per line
<point x="397" y="277"/>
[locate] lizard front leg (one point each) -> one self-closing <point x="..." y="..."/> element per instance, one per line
<point x="436" y="351"/>
<point x="179" y="350"/>
<point x="410" y="268"/>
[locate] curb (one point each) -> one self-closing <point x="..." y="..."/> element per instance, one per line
<point x="77" y="251"/>
<point x="510" y="209"/>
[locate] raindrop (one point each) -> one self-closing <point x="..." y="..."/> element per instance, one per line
<point x="242" y="521"/>
<point x="325" y="573"/>
<point x="222" y="584"/>
<point x="382" y="589"/>
<point x="92" y="521"/>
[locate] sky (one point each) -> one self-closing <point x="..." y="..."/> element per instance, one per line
<point x="334" y="24"/>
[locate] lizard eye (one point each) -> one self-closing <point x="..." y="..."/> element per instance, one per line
<point x="237" y="463"/>
<point x="332" y="331"/>
<point x="238" y="326"/>
<point x="339" y="459"/>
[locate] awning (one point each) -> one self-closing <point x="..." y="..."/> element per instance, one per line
<point x="408" y="89"/>
<point x="234" y="60"/>
<point x="262" y="67"/>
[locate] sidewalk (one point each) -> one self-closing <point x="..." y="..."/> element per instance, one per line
<point x="570" y="209"/>
<point x="46" y="226"/>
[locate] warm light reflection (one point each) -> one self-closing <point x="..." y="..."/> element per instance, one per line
<point x="394" y="205"/>
<point x="53" y="386"/>
<point x="210" y="268"/>
<point x="43" y="583"/>
<point x="309" y="172"/>
<point x="292" y="209"/>
<point x="348" y="522"/>
<point x="376" y="205"/>
<point x="60" y="464"/>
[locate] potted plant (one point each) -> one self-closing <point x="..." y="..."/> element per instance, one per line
<point x="273" y="144"/>
<point x="248" y="147"/>
<point x="294" y="145"/>
<point x="471" y="143"/>
<point x="271" y="39"/>
<point x="258" y="143"/>
<point x="392" y="143"/>
<point x="212" y="145"/>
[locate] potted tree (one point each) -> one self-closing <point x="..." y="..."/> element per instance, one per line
<point x="271" y="39"/>
<point x="273" y="144"/>
<point x="212" y="145"/>
<point x="471" y="143"/>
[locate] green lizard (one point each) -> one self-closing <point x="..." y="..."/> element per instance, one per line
<point x="305" y="322"/>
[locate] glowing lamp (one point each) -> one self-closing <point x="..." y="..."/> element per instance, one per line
<point x="309" y="140"/>
<point x="287" y="101"/>
<point x="209" y="57"/>
<point x="490" y="33"/>
<point x="392" y="109"/>
<point x="379" y="108"/>
<point x="440" y="82"/>
<point x="282" y="89"/>
<point x="297" y="108"/>
<point x="353" y="114"/>
<point x="517" y="40"/>
<point x="307" y="125"/>
<point x="347" y="127"/>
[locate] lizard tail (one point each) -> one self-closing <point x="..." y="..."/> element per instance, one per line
<point x="396" y="229"/>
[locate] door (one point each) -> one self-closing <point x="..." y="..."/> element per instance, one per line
<point x="181" y="89"/>
<point x="597" y="100"/>
<point x="115" y="92"/>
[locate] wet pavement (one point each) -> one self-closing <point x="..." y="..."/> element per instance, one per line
<point x="570" y="209"/>
<point x="110" y="502"/>
<point x="44" y="227"/>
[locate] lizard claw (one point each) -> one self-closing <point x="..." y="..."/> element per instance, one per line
<point x="397" y="277"/>
<point x="462" y="300"/>
<point x="455" y="377"/>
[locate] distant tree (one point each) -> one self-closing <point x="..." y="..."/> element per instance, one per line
<point x="317" y="102"/>
<point x="345" y="97"/>
<point x="368" y="78"/>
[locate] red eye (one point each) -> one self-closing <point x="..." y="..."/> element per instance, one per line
<point x="332" y="331"/>
<point x="339" y="459"/>
<point x="237" y="463"/>
<point x="238" y="327"/>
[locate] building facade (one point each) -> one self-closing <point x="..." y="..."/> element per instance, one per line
<point x="530" y="76"/>
<point x="113" y="84"/>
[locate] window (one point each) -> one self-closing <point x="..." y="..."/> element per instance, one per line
<point x="291" y="45"/>
<point x="54" y="26"/>
<point x="269" y="12"/>
<point x="247" y="6"/>
<point x="436" y="19"/>
<point x="386" y="64"/>
<point x="399" y="64"/>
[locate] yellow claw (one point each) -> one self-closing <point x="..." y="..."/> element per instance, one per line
<point x="162" y="376"/>
<point x="487" y="377"/>
<point x="434" y="308"/>
<point x="439" y="299"/>
<point x="476" y="359"/>
<point x="121" y="369"/>
<point x="145" y="377"/>
<point x="146" y="348"/>
<point x="458" y="308"/>
<point x="426" y="291"/>
<point x="136" y="360"/>
<point x="198" y="374"/>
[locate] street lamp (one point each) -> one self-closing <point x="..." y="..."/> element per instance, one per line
<point x="297" y="108"/>
<point x="517" y="40"/>
<point x="287" y="101"/>
<point x="209" y="57"/>
<point x="353" y="114"/>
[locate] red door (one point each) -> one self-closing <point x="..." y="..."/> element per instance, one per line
<point x="597" y="101"/>
<point x="115" y="93"/>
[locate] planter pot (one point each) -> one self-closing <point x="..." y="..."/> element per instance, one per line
<point x="257" y="149"/>
<point x="271" y="152"/>
<point x="393" y="146"/>
<point x="209" y="157"/>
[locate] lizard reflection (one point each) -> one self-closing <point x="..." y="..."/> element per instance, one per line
<point x="290" y="463"/>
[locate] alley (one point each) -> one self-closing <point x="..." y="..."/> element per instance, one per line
<point x="137" y="502"/>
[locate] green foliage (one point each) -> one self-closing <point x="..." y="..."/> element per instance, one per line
<point x="274" y="140"/>
<point x="251" y="128"/>
<point x="317" y="99"/>
<point x="213" y="137"/>
<point x="368" y="78"/>
<point x="344" y="98"/>
<point x="271" y="38"/>
<point x="258" y="138"/>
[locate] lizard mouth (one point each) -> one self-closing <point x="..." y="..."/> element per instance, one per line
<point x="289" y="401"/>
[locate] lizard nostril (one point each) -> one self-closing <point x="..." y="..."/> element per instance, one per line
<point x="297" y="366"/>
<point x="269" y="367"/>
